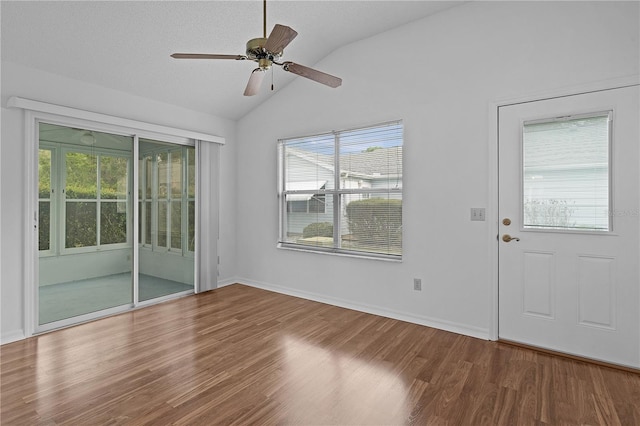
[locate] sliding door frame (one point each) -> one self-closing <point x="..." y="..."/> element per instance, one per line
<point x="37" y="112"/>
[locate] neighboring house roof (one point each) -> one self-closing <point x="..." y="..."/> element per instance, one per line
<point x="376" y="164"/>
<point x="322" y="160"/>
<point x="379" y="162"/>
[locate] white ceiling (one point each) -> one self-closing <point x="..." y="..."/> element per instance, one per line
<point x="125" y="45"/>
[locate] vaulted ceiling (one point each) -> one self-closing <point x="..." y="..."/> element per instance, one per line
<point x="126" y="45"/>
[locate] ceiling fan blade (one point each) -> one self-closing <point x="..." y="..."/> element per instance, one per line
<point x="206" y="56"/>
<point x="255" y="81"/>
<point x="280" y="37"/>
<point x="310" y="73"/>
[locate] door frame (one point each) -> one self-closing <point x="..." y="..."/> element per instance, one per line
<point x="493" y="163"/>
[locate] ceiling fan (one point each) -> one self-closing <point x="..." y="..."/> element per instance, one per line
<point x="266" y="52"/>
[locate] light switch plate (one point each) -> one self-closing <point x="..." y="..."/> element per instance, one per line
<point x="477" y="213"/>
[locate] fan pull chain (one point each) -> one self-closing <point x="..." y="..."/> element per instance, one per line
<point x="272" y="79"/>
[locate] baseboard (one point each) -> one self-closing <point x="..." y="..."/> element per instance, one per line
<point x="227" y="282"/>
<point x="12" y="336"/>
<point x="453" y="327"/>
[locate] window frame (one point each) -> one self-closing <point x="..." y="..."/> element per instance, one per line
<point x="569" y="230"/>
<point x="58" y="199"/>
<point x="63" y="249"/>
<point x="52" y="200"/>
<point x="155" y="201"/>
<point x="336" y="194"/>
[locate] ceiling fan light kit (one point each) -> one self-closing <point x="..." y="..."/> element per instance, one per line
<point x="88" y="138"/>
<point x="255" y="81"/>
<point x="267" y="51"/>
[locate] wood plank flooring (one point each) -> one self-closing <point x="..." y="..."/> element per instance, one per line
<point x="240" y="355"/>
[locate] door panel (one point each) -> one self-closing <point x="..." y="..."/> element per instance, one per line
<point x="166" y="188"/>
<point x="85" y="251"/>
<point x="569" y="184"/>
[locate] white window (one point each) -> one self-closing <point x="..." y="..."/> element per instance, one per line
<point x="566" y="173"/>
<point x="167" y="198"/>
<point x="342" y="191"/>
<point x="86" y="192"/>
<point x="46" y="202"/>
<point x="96" y="196"/>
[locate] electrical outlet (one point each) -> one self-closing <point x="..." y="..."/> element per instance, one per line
<point x="417" y="284"/>
<point x="477" y="214"/>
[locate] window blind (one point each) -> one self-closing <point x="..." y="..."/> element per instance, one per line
<point x="566" y="173"/>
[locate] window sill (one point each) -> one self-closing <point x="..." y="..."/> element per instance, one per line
<point x="172" y="252"/>
<point x="85" y="250"/>
<point x="333" y="252"/>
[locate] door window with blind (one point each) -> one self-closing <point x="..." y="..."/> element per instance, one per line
<point x="341" y="191"/>
<point x="566" y="173"/>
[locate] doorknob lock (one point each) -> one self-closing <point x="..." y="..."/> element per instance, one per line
<point x="506" y="238"/>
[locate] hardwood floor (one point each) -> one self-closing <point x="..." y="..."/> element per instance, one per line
<point x="240" y="355"/>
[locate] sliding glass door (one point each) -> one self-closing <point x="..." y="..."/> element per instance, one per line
<point x="85" y="222"/>
<point x="88" y="241"/>
<point x="166" y="213"/>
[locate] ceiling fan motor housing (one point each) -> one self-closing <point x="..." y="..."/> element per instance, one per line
<point x="256" y="52"/>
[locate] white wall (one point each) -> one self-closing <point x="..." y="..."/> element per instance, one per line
<point x="168" y="266"/>
<point x="42" y="86"/>
<point x="440" y="75"/>
<point x="80" y="266"/>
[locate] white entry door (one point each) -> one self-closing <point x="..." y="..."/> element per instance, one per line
<point x="569" y="225"/>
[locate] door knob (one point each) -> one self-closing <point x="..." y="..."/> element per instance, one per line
<point x="506" y="238"/>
